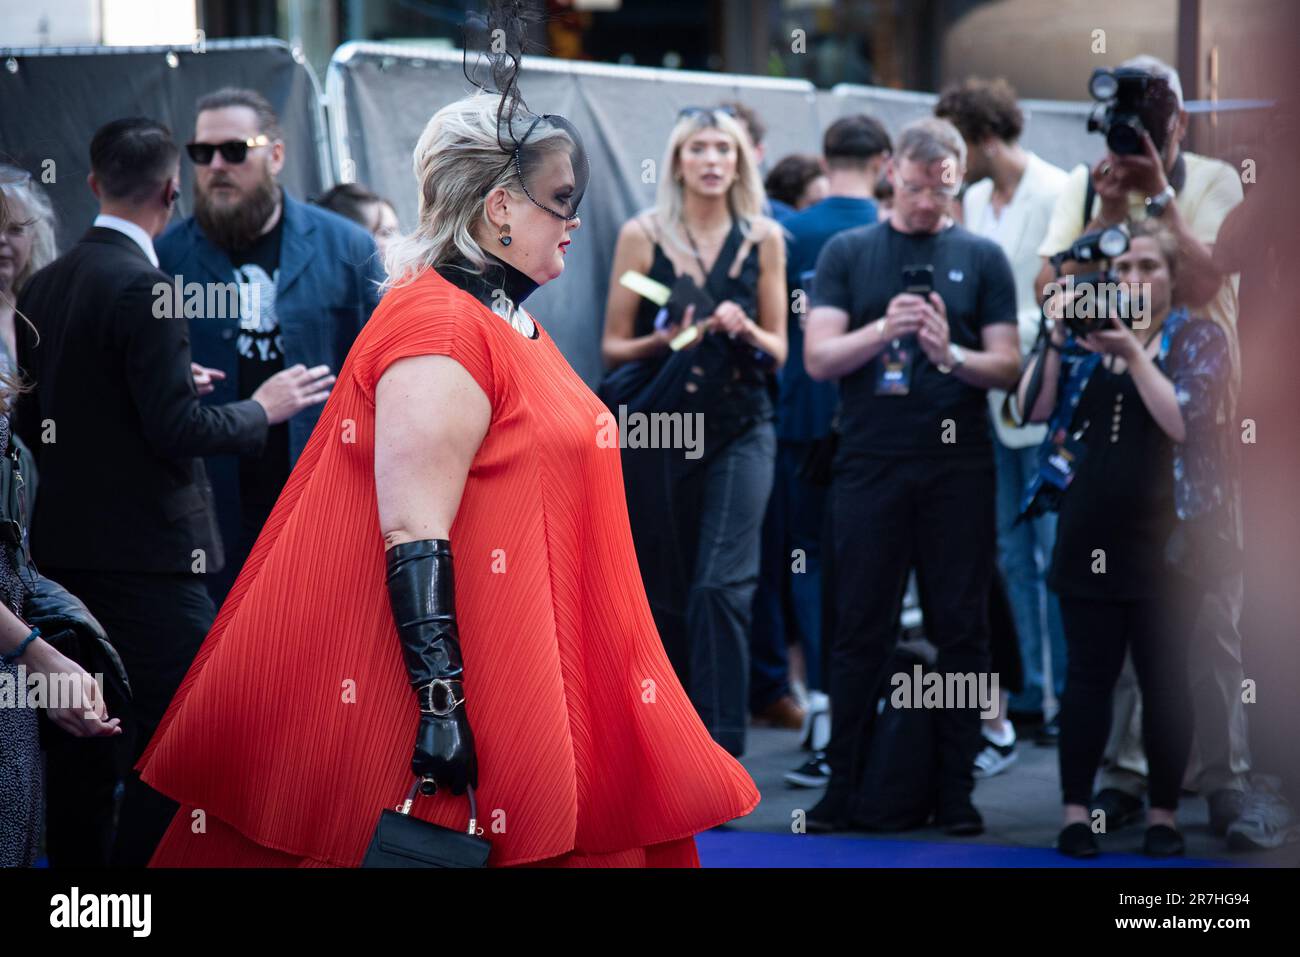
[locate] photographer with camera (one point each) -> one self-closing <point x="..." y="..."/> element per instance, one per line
<point x="1144" y="124"/>
<point x="1143" y="99"/>
<point x="1145" y="174"/>
<point x="1131" y="454"/>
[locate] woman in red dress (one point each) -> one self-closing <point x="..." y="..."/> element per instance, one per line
<point x="456" y="424"/>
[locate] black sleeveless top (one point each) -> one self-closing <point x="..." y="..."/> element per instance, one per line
<point x="744" y="395"/>
<point x="1121" y="502"/>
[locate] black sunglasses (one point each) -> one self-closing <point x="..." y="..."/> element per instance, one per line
<point x="232" y="151"/>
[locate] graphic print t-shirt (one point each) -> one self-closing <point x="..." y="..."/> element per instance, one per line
<point x="261" y="355"/>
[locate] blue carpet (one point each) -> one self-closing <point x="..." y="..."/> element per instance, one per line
<point x="752" y="849"/>
<point x="732" y="848"/>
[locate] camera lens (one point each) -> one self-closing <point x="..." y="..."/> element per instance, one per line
<point x="1112" y="242"/>
<point x="1102" y="85"/>
<point x="1125" y="136"/>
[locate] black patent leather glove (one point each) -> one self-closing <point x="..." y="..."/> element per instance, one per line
<point x="422" y="595"/>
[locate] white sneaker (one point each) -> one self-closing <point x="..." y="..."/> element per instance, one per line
<point x="816" y="732"/>
<point x="997" y="755"/>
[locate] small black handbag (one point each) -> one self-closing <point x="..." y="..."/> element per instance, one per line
<point x="404" y="841"/>
<point x="658" y="383"/>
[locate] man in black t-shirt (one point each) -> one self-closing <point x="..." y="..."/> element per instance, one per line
<point x="261" y="355"/>
<point x="913" y="479"/>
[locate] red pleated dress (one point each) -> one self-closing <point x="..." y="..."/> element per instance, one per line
<point x="294" y="726"/>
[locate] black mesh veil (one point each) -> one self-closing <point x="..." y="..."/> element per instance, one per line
<point x="546" y="149"/>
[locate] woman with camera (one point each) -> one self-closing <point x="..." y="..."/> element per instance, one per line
<point x="697" y="515"/>
<point x="1130" y="456"/>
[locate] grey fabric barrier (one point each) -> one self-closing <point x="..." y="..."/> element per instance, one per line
<point x="381" y="96"/>
<point x="1056" y="131"/>
<point x="53" y="99"/>
<point x="385" y="96"/>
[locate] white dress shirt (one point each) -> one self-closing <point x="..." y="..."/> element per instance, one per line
<point x="130" y="229"/>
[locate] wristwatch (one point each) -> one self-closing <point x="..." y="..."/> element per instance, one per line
<point x="957" y="356"/>
<point x="1157" y="204"/>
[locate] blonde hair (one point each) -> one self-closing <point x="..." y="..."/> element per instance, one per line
<point x="12" y="383"/>
<point x="19" y="192"/>
<point x="744" y="198"/>
<point x="458" y="161"/>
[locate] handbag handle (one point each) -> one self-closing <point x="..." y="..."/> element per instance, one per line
<point x="419" y="788"/>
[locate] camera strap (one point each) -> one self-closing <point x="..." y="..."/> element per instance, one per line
<point x="1039" y="351"/>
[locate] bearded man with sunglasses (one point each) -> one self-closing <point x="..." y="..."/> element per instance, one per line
<point x="307" y="281"/>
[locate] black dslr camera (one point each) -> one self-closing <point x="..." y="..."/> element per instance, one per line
<point x="1099" y="294"/>
<point x="1134" y="101"/>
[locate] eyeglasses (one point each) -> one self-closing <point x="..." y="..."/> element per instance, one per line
<point x="232" y="151"/>
<point x="938" y="192"/>
<point x="687" y="111"/>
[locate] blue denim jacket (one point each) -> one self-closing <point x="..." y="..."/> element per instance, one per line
<point x="1194" y="355"/>
<point x="327" y="286"/>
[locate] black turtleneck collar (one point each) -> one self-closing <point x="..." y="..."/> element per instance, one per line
<point x="497" y="274"/>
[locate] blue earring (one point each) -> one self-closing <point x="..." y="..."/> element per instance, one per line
<point x="505" y="235"/>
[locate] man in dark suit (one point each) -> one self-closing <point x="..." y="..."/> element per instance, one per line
<point x="313" y="281"/>
<point x="124" y="518"/>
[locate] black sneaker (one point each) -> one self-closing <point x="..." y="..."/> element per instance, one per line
<point x="961" y="822"/>
<point x="1161" y="840"/>
<point x="1077" y="840"/>
<point x="1266" y="822"/>
<point x="828" y="815"/>
<point x="813" y="773"/>
<point x="1120" y="809"/>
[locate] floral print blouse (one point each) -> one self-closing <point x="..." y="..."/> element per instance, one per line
<point x="1195" y="356"/>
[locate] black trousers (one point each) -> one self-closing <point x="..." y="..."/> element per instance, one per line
<point x="1097" y="633"/>
<point x="157" y="623"/>
<point x="735" y="486"/>
<point x="251" y="519"/>
<point x="890" y="515"/>
<point x="1004" y="640"/>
